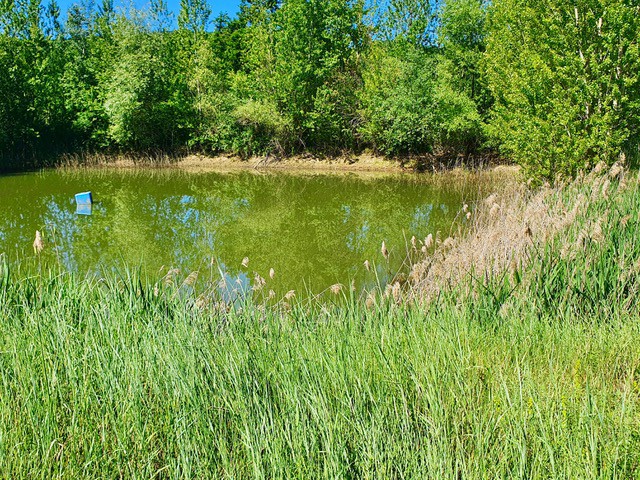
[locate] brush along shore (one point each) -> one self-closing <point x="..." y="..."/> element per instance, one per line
<point x="514" y="352"/>
<point x="348" y="162"/>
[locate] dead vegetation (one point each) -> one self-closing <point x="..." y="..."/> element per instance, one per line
<point x="510" y="225"/>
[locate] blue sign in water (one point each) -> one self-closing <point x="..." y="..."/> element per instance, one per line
<point x="84" y="198"/>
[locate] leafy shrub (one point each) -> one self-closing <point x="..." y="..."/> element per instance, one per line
<point x="409" y="106"/>
<point x="564" y="75"/>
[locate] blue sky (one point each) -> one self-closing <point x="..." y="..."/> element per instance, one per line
<point x="217" y="6"/>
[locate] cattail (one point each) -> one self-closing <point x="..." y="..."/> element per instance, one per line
<point x="367" y="265"/>
<point x="336" y="288"/>
<point x="428" y="242"/>
<point x="384" y="251"/>
<point x="272" y="273"/>
<point x="413" y="242"/>
<point x="290" y="294"/>
<point x="38" y="244"/>
<point x="245" y="262"/>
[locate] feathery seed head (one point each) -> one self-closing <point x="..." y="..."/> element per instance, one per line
<point x="616" y="170"/>
<point x="428" y="242"/>
<point x="384" y="251"/>
<point x="396" y="291"/>
<point x="38" y="244"/>
<point x="191" y="279"/>
<point x="371" y="300"/>
<point x="258" y="282"/>
<point x="495" y="208"/>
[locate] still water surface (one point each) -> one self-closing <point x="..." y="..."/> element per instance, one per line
<point x="312" y="230"/>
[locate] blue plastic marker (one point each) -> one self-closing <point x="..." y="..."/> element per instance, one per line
<point x="84" y="198"/>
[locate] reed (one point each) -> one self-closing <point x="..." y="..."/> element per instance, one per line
<point x="526" y="371"/>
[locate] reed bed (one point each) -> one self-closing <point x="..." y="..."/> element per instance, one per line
<point x="530" y="370"/>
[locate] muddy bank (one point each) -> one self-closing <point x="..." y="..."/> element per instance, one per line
<point x="364" y="162"/>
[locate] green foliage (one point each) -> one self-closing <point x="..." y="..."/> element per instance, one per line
<point x="462" y="34"/>
<point x="564" y="78"/>
<point x="410" y="104"/>
<point x="553" y="86"/>
<point x="304" y="57"/>
<point x="145" y="89"/>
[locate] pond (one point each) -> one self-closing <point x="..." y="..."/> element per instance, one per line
<point x="302" y="232"/>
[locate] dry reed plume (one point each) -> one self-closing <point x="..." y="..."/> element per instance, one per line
<point x="38" y="243"/>
<point x="384" y="251"/>
<point x="507" y="228"/>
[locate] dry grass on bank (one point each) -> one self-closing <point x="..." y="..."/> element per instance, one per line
<point x="510" y="225"/>
<point x="362" y="162"/>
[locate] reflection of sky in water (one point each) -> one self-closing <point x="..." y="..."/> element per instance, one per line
<point x="357" y="240"/>
<point x="421" y="216"/>
<point x="64" y="226"/>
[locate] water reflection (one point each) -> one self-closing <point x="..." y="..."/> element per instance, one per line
<point x="314" y="231"/>
<point x="85" y="209"/>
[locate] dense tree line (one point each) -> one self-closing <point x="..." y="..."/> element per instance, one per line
<point x="552" y="84"/>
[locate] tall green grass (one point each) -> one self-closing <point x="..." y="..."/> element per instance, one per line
<point x="531" y="374"/>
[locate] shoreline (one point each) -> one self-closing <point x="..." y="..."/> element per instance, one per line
<point x="365" y="162"/>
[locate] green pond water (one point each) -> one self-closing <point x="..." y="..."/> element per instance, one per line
<point x="313" y="230"/>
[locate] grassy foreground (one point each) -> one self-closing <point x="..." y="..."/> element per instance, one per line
<point x="530" y="372"/>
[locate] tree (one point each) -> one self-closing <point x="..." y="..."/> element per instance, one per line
<point x="564" y="75"/>
<point x="463" y="34"/>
